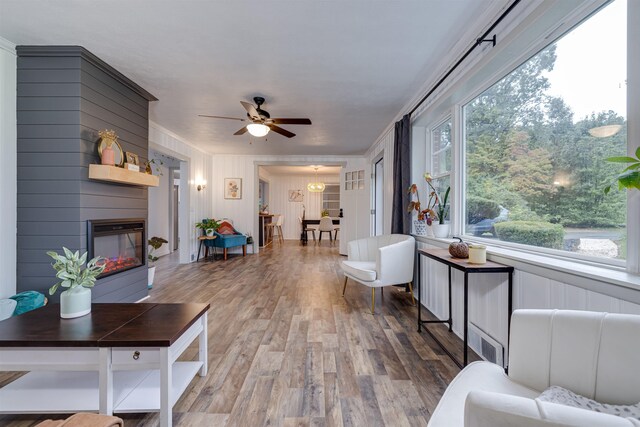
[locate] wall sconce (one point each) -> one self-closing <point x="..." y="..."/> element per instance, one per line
<point x="201" y="185"/>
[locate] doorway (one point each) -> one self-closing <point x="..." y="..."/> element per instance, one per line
<point x="378" y="197"/>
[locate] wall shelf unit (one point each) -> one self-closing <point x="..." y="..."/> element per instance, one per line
<point x="122" y="176"/>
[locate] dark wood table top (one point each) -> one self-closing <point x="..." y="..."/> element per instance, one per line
<point x="159" y="327"/>
<point x="463" y="264"/>
<point x="317" y="221"/>
<point x="44" y="327"/>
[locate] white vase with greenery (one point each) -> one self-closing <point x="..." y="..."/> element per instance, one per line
<point x="76" y="300"/>
<point x="155" y="243"/>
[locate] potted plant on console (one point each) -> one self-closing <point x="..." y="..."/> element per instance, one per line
<point x="208" y="226"/>
<point x="428" y="215"/>
<point x="441" y="228"/>
<point x="76" y="300"/>
<point x="155" y="243"/>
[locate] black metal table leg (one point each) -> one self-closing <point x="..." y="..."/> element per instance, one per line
<point x="199" y="248"/>
<point x="419" y="282"/>
<point x="450" y="320"/>
<point x="466" y="318"/>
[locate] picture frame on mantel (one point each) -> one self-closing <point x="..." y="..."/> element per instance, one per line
<point x="233" y="188"/>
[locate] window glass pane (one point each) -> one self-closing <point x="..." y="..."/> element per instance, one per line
<point x="536" y="144"/>
<point x="441" y="149"/>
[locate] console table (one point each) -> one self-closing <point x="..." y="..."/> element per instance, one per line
<point x="443" y="256"/>
<point x="119" y="358"/>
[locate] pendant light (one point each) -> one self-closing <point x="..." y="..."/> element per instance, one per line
<point x="317" y="186"/>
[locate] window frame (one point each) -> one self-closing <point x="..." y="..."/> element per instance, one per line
<point x="458" y="94"/>
<point x="460" y="166"/>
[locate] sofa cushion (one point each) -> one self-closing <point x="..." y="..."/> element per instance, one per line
<point x="226" y="228"/>
<point x="362" y="270"/>
<point x="476" y="376"/>
<point x="556" y="394"/>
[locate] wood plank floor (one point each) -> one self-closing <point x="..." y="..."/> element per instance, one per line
<point x="286" y="349"/>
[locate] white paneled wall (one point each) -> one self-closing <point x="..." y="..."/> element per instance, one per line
<point x="279" y="186"/>
<point x="244" y="212"/>
<point x="8" y="172"/>
<point x="199" y="167"/>
<point x="488" y="296"/>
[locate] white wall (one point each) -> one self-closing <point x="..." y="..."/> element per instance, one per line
<point x="199" y="169"/>
<point x="279" y="186"/>
<point x="244" y="211"/>
<point x="159" y="207"/>
<point x="8" y="172"/>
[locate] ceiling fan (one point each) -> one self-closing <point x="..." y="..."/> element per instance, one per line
<point x="261" y="121"/>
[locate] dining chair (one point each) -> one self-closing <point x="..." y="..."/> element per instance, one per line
<point x="326" y="226"/>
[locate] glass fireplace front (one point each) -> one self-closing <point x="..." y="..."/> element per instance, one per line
<point x="121" y="242"/>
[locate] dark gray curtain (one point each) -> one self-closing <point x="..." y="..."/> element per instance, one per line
<point x="400" y="218"/>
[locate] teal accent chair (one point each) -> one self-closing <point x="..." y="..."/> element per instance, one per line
<point x="227" y="237"/>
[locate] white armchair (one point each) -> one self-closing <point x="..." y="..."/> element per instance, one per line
<point x="592" y="354"/>
<point x="380" y="261"/>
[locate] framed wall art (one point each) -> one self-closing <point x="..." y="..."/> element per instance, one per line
<point x="233" y="188"/>
<point x="296" y="196"/>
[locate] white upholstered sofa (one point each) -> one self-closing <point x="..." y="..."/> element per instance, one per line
<point x="596" y="355"/>
<point x="380" y="261"/>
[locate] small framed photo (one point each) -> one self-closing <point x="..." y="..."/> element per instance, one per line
<point x="132" y="158"/>
<point x="233" y="188"/>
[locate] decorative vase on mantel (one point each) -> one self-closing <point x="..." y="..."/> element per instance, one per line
<point x="441" y="230"/>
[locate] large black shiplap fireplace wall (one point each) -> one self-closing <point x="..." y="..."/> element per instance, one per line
<point x="65" y="95"/>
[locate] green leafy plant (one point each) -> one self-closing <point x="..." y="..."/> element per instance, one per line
<point x="324" y="213"/>
<point x="155" y="243"/>
<point x="70" y="272"/>
<point x="442" y="208"/>
<point x="208" y="225"/>
<point x="630" y="176"/>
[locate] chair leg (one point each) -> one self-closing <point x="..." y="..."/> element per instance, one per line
<point x="281" y="234"/>
<point x="344" y="288"/>
<point x="225" y="254"/>
<point x="244" y="250"/>
<point x="373" y="299"/>
<point x="413" y="300"/>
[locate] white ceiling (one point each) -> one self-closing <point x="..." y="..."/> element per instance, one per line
<point x="302" y="170"/>
<point x="349" y="65"/>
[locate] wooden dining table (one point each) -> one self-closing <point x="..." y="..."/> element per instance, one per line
<point x="307" y="222"/>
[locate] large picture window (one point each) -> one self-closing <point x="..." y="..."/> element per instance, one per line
<point x="537" y="140"/>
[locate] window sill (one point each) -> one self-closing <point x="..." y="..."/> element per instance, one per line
<point x="597" y="278"/>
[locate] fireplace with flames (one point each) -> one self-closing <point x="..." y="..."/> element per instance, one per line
<point x="121" y="242"/>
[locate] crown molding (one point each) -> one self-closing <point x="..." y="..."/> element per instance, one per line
<point x="8" y="46"/>
<point x="79" y="51"/>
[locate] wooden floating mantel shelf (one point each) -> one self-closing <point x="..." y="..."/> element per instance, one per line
<point x="122" y="176"/>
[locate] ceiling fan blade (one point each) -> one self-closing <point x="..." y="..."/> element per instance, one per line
<point x="241" y="131"/>
<point x="220" y="117"/>
<point x="291" y="121"/>
<point x="253" y="113"/>
<point x="283" y="132"/>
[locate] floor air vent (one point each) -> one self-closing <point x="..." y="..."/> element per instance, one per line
<point x="488" y="348"/>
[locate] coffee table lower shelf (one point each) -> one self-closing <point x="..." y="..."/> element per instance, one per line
<point x="49" y="392"/>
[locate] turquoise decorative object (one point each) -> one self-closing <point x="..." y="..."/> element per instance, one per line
<point x="27" y="301"/>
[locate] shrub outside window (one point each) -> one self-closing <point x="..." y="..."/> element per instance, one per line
<point x="537" y="141"/>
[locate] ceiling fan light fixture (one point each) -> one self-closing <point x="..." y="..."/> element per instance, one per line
<point x="258" y="129"/>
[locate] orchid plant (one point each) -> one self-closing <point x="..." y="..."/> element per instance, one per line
<point x="433" y="203"/>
